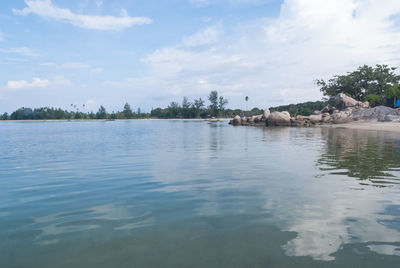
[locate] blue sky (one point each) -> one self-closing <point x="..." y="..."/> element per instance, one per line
<point x="148" y="53"/>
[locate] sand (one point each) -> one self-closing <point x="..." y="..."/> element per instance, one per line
<point x="369" y="125"/>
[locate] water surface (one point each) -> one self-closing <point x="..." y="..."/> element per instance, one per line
<point x="197" y="194"/>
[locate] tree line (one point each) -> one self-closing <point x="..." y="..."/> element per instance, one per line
<point x="195" y="109"/>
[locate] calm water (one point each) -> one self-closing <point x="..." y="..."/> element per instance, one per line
<point x="195" y="194"/>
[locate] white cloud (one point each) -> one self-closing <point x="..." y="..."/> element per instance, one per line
<point x="48" y="64"/>
<point x="46" y="9"/>
<point x="200" y="3"/>
<point x="97" y="70"/>
<point x="71" y="66"/>
<point x="23" y="51"/>
<point x="205" y="37"/>
<point x="36" y="83"/>
<point x="74" y="65"/>
<point x="60" y="80"/>
<point x="275" y="61"/>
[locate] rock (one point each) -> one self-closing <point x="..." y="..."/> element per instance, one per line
<point x="327" y="109"/>
<point x="326" y="117"/>
<point x="297" y="123"/>
<point x="236" y="120"/>
<point x="392" y="118"/>
<point x="365" y="104"/>
<point x="286" y="113"/>
<point x="278" y="119"/>
<point x="315" y="118"/>
<point x="342" y="117"/>
<point x="301" y="117"/>
<point x="343" y="101"/>
<point x="244" y="121"/>
<point x="257" y="118"/>
<point x="267" y="112"/>
<point x="376" y="113"/>
<point x="316" y="112"/>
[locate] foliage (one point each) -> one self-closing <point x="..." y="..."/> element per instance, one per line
<point x="213" y="99"/>
<point x="365" y="81"/>
<point x="102" y="113"/>
<point x="127" y="112"/>
<point x="195" y="109"/>
<point x="305" y="108"/>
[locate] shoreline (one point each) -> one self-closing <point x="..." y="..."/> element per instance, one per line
<point x="368" y="125"/>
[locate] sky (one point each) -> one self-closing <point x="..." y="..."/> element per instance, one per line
<point x="148" y="53"/>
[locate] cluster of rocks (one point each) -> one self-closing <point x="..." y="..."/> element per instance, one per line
<point x="346" y="110"/>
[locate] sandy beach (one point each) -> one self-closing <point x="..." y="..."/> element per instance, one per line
<point x="369" y="125"/>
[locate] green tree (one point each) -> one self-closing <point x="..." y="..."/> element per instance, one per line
<point x="213" y="99"/>
<point x="198" y="105"/>
<point x="247" y="101"/>
<point x="127" y="112"/>
<point x="365" y="81"/>
<point x="101" y="113"/>
<point x="4" y="116"/>
<point x="393" y="93"/>
<point x="221" y="104"/>
<point x="173" y="110"/>
<point x="186" y="107"/>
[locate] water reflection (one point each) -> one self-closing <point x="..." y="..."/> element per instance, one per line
<point x="193" y="194"/>
<point x="371" y="156"/>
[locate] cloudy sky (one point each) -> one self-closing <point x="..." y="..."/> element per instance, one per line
<point x="150" y="52"/>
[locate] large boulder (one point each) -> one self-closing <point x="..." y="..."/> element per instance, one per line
<point x="315" y="118"/>
<point x="343" y="101"/>
<point x="257" y="118"/>
<point x="342" y="116"/>
<point x="267" y="112"/>
<point x="236" y="121"/>
<point x="278" y="119"/>
<point x="286" y="113"/>
<point x="376" y="113"/>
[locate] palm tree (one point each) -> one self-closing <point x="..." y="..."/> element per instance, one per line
<point x="247" y="101"/>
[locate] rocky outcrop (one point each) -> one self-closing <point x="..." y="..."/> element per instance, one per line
<point x="377" y="113"/>
<point x="343" y="101"/>
<point x="236" y="121"/>
<point x="266" y="113"/>
<point x="278" y="119"/>
<point x="347" y="110"/>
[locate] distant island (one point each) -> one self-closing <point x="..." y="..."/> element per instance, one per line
<point x="379" y="86"/>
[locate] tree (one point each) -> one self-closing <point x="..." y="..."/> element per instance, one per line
<point x="185" y="107"/>
<point x="198" y="105"/>
<point x="127" y="112"/>
<point x="366" y="83"/>
<point x="393" y="93"/>
<point x="213" y="99"/>
<point x="173" y="110"/>
<point x="4" y="116"/>
<point x="101" y="113"/>
<point x="221" y="104"/>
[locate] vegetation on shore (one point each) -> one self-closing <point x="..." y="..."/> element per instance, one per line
<point x="378" y="85"/>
